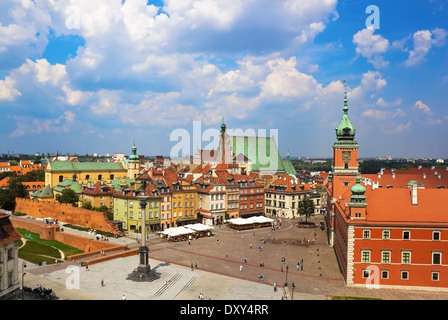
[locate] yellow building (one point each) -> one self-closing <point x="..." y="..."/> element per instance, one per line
<point x="99" y="195"/>
<point x="183" y="199"/>
<point x="58" y="171"/>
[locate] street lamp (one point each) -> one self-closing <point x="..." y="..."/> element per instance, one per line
<point x="286" y="282"/>
<point x="23" y="276"/>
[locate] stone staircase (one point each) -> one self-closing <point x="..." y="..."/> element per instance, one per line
<point x="180" y="281"/>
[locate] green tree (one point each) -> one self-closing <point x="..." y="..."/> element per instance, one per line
<point x="68" y="196"/>
<point x="306" y="208"/>
<point x="7" y="199"/>
<point x="87" y="205"/>
<point x="16" y="186"/>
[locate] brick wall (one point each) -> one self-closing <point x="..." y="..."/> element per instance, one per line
<point x="65" y="213"/>
<point x="85" y="244"/>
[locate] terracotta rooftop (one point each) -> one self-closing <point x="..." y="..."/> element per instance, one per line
<point x="7" y="231"/>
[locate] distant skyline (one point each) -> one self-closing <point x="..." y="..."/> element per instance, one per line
<point x="90" y="77"/>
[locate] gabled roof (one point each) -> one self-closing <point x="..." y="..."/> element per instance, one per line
<point x="46" y="192"/>
<point x="67" y="183"/>
<point x="99" y="188"/>
<point x="7" y="231"/>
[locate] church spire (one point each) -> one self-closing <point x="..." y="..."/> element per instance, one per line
<point x="345" y="132"/>
<point x="345" y="109"/>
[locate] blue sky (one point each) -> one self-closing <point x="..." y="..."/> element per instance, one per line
<point x="80" y="76"/>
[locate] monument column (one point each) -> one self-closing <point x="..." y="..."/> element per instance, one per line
<point x="143" y="250"/>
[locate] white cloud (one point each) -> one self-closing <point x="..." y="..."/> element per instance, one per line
<point x="419" y="105"/>
<point x="28" y="125"/>
<point x="7" y="91"/>
<point x="44" y="72"/>
<point x="371" y="46"/>
<point x="382" y="114"/>
<point x="424" y="40"/>
<point x="284" y="80"/>
<point x="400" y="128"/>
<point x="371" y="82"/>
<point x="73" y="97"/>
<point x="382" y="103"/>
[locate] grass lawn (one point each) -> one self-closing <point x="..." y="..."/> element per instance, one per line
<point x="37" y="250"/>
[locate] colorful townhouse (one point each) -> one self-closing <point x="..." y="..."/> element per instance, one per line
<point x="385" y="237"/>
<point x="127" y="209"/>
<point x="183" y="198"/>
<point x="211" y="209"/>
<point x="99" y="194"/>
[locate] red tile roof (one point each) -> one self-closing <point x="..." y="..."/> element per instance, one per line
<point x="7" y="231"/>
<point x="395" y="206"/>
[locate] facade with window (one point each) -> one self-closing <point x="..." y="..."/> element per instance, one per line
<point x="9" y="265"/>
<point x="127" y="208"/>
<point x="394" y="237"/>
<point x="212" y="200"/>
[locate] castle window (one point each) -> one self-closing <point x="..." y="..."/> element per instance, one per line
<point x="385" y="257"/>
<point x="365" y="256"/>
<point x="436" y="258"/>
<point x="436" y="235"/>
<point x="386" y="234"/>
<point x="61" y="178"/>
<point x="405" y="257"/>
<point x="406" y="235"/>
<point x="404" y="275"/>
<point x="435" y="276"/>
<point x="366" y="234"/>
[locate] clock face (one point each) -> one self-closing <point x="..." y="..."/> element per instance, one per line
<point x="346" y="155"/>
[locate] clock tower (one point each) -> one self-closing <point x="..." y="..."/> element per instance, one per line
<point x="345" y="154"/>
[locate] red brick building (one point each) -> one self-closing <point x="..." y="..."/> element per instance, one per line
<point x="387" y="232"/>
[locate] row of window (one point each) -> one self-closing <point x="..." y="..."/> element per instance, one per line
<point x="386" y="257"/>
<point x="186" y="195"/>
<point x="406" y="234"/>
<point x="242" y="191"/>
<point x="404" y="274"/>
<point x="177" y="214"/>
<point x="258" y="205"/>
<point x="151" y="214"/>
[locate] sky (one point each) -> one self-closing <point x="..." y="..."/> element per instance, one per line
<point x="84" y="77"/>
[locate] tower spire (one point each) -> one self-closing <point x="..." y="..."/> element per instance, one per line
<point x="345" y="97"/>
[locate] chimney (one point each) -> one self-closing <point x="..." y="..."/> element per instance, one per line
<point x="424" y="175"/>
<point x="414" y="194"/>
<point x="393" y="175"/>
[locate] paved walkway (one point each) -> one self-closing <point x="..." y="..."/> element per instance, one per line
<point x="219" y="275"/>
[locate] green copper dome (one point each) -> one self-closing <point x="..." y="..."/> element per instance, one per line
<point x="345" y="131"/>
<point x="134" y="156"/>
<point x="223" y="126"/>
<point x="358" y="190"/>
